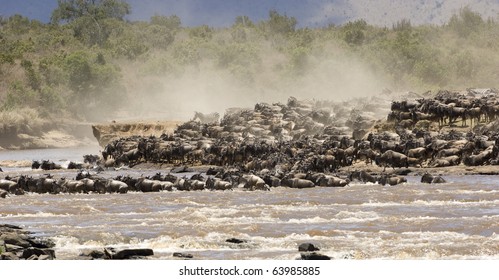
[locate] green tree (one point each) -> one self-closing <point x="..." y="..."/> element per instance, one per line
<point x="355" y="32"/>
<point x="281" y="24"/>
<point x="466" y="22"/>
<point x="243" y="21"/>
<point x="172" y="22"/>
<point x="33" y="77"/>
<point x="91" y="20"/>
<point x="79" y="72"/>
<point x="71" y="10"/>
<point x="201" y="32"/>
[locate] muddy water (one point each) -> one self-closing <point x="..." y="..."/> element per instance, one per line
<point x="456" y="220"/>
<point x="18" y="160"/>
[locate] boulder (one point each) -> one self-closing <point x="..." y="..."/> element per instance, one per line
<point x="94" y="254"/>
<point x="13" y="248"/>
<point x="236" y="240"/>
<point x="15" y="239"/>
<point x="314" y="256"/>
<point x="44" y="257"/>
<point x="307" y="247"/>
<point x="31" y="251"/>
<point x="41" y="243"/>
<point x="8" y="256"/>
<point x="124" y="254"/>
<point x="183" y="255"/>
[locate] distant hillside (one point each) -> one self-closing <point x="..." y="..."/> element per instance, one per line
<point x="93" y="65"/>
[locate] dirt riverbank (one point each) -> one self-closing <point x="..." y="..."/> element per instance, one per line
<point x="107" y="132"/>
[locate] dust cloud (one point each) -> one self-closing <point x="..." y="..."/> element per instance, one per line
<point x="208" y="88"/>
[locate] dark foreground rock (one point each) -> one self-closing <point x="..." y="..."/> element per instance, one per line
<point x="127" y="254"/>
<point x="16" y="243"/>
<point x="183" y="255"/>
<point x="307" y="247"/>
<point x="313" y="256"/>
<point x="93" y="255"/>
<point x="236" y="240"/>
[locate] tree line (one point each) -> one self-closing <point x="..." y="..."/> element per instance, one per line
<point x="76" y="64"/>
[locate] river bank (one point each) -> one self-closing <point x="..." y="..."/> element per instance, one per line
<point x="17" y="243"/>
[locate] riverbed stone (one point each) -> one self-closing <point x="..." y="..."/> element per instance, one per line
<point x="32" y="258"/>
<point x="44" y="257"/>
<point x="236" y="240"/>
<point x="41" y="243"/>
<point x="31" y="251"/>
<point x="124" y="254"/>
<point x="8" y="256"/>
<point x="314" y="256"/>
<point x="13" y="248"/>
<point x="307" y="247"/>
<point x="15" y="239"/>
<point x="183" y="255"/>
<point x="94" y="254"/>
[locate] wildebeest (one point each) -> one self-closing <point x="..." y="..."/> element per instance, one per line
<point x="479" y="159"/>
<point x="49" y="165"/>
<point x="253" y="182"/>
<point x="91" y="159"/>
<point x="446" y="161"/>
<point x="130" y="157"/>
<point x="297" y="183"/>
<point x="71" y="186"/>
<point x="217" y="184"/>
<point x="147" y="185"/>
<point x="11" y="187"/>
<point x="115" y="186"/>
<point x="47" y="185"/>
<point x="362" y="176"/>
<point x="391" y="180"/>
<point x="430" y="179"/>
<point x="392" y="159"/>
<point x="332" y="181"/>
<point x="206" y="118"/>
<point x="194" y="185"/>
<point x="36" y="164"/>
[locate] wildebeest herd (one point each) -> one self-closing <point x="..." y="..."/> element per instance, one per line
<point x="304" y="144"/>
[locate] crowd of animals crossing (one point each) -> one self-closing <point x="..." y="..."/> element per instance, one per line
<point x="301" y="144"/>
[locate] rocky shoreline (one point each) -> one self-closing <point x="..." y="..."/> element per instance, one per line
<point x="19" y="244"/>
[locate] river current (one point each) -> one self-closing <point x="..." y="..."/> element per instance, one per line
<point x="455" y="220"/>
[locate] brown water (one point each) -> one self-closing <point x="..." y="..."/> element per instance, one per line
<point x="456" y="220"/>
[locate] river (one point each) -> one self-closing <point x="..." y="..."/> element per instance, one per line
<point x="455" y="220"/>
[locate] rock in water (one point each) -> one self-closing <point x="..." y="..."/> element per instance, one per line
<point x="236" y="240"/>
<point x="31" y="251"/>
<point x="314" y="256"/>
<point x="183" y="255"/>
<point x="127" y="253"/>
<point x="307" y="247"/>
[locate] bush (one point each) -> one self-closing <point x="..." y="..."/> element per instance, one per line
<point x="466" y="22"/>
